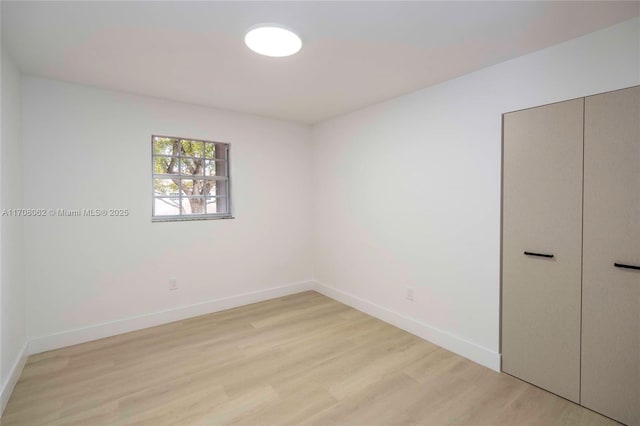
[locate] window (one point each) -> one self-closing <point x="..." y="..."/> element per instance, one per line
<point x="190" y="179"/>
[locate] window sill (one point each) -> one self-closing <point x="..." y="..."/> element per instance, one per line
<point x="189" y="218"/>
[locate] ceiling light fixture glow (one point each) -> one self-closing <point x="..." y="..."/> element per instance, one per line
<point x="274" y="41"/>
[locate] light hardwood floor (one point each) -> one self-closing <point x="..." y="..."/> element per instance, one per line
<point x="301" y="359"/>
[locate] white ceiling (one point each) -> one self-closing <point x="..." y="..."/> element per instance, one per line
<point x="354" y="53"/>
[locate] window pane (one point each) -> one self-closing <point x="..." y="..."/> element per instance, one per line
<point x="213" y="187"/>
<point x="196" y="187"/>
<point x="186" y="186"/>
<point x="166" y="206"/>
<point x="193" y="205"/>
<point x="215" y="168"/>
<point x="209" y="150"/>
<point x="217" y="205"/>
<point x="166" y="146"/>
<point x="221" y="151"/>
<point x="210" y="168"/>
<point x="192" y="148"/>
<point x="212" y="205"/>
<point x="191" y="166"/>
<point x="165" y="187"/>
<point x="165" y="165"/>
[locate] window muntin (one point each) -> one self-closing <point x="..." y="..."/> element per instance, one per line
<point x="190" y="179"/>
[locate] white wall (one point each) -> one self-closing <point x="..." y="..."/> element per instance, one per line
<point x="12" y="288"/>
<point x="407" y="192"/>
<point x="91" y="148"/>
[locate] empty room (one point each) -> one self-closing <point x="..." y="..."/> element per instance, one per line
<point x="320" y="213"/>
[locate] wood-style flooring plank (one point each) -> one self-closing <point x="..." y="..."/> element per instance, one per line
<point x="303" y="359"/>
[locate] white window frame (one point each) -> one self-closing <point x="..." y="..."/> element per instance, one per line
<point x="185" y="217"/>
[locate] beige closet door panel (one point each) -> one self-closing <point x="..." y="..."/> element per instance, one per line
<point x="611" y="296"/>
<point x="542" y="212"/>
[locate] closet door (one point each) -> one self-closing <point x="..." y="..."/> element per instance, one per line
<point x="611" y="295"/>
<point x="542" y="215"/>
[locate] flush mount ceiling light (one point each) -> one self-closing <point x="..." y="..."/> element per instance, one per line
<point x="272" y="40"/>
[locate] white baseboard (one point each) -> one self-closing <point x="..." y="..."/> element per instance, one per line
<point x="453" y="343"/>
<point x="112" y="328"/>
<point x="12" y="379"/>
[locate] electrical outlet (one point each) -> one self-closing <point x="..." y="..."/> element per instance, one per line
<point x="409" y="293"/>
<point x="173" y="284"/>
